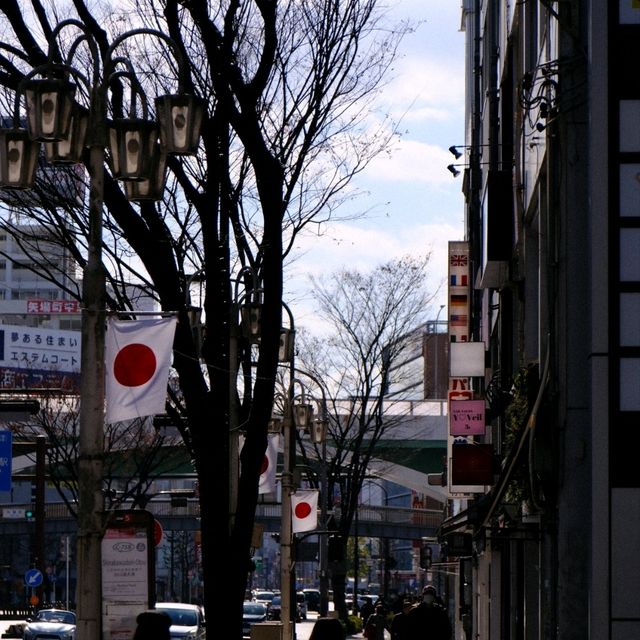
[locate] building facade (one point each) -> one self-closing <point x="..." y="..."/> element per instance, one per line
<point x="548" y="547"/>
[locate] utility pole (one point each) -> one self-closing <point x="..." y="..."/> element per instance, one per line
<point x="38" y="555"/>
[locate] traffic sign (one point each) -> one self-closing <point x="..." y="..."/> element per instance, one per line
<point x="13" y="513"/>
<point x="33" y="578"/>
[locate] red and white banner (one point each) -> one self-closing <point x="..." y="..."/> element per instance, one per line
<point x="138" y="358"/>
<point x="304" y="510"/>
<point x="268" y="470"/>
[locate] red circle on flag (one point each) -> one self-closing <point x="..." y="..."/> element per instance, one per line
<point x="265" y="465"/>
<point x="302" y="510"/>
<point x="157" y="532"/>
<point x="134" y="365"/>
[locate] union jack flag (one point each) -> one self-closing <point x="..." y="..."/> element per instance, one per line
<point x="459" y="260"/>
<point x="458" y="320"/>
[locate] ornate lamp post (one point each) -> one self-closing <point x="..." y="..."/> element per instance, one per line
<point x="136" y="145"/>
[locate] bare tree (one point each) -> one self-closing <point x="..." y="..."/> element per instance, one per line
<point x="289" y="87"/>
<point x="370" y="318"/>
<point x="135" y="452"/>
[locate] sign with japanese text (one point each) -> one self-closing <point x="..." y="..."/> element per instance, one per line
<point x="5" y="460"/>
<point x="467" y="417"/>
<point x="37" y="358"/>
<point x="127" y="571"/>
<point x="53" y="306"/>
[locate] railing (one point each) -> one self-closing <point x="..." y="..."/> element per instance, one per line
<point x="373" y="518"/>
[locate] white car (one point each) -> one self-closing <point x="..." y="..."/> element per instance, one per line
<point x="253" y="612"/>
<point x="51" y="624"/>
<point x="187" y="620"/>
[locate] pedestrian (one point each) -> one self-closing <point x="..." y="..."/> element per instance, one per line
<point x="152" y="625"/>
<point x="366" y="609"/>
<point x="376" y="624"/>
<point x="328" y="629"/>
<point x="429" y="620"/>
<point x="398" y="627"/>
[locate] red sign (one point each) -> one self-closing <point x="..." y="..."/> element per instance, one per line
<point x="157" y="532"/>
<point x="53" y="306"/>
<point x="472" y="464"/>
<point x="466" y="417"/>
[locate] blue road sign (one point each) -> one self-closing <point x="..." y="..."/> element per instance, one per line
<point x="5" y="460"/>
<point x="33" y="578"/>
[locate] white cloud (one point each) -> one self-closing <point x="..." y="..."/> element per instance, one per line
<point x="414" y="162"/>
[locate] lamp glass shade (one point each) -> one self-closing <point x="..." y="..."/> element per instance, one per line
<point x="132" y="143"/>
<point x="287" y="344"/>
<point x="302" y="415"/>
<point x="180" y="119"/>
<point x="251" y="316"/>
<point x="153" y="187"/>
<point x="69" y="149"/>
<point x="49" y="104"/>
<point x="18" y="159"/>
<point x="318" y="431"/>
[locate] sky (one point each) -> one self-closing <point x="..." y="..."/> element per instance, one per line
<point x="415" y="203"/>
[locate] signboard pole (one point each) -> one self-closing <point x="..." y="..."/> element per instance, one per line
<point x="39" y="508"/>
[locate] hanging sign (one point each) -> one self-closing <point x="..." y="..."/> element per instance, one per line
<point x="467" y="417"/>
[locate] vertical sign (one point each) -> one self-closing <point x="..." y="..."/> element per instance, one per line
<point x="127" y="571"/>
<point x="459" y="332"/>
<point x="459" y="291"/>
<point x="5" y="460"/>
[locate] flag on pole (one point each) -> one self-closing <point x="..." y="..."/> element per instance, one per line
<point x="304" y="510"/>
<point x="268" y="470"/>
<point x="138" y="358"/>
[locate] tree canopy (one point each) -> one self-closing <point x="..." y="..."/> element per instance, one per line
<point x="288" y="88"/>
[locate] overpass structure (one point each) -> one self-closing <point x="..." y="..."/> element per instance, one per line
<point x="372" y="521"/>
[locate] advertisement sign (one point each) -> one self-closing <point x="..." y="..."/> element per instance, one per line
<point x="127" y="571"/>
<point x="467" y="417"/>
<point x="49" y="307"/>
<point x="37" y="358"/>
<point x="472" y="464"/>
<point x="5" y="460"/>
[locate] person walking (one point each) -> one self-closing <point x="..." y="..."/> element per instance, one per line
<point x="376" y="624"/>
<point x="152" y="625"/>
<point x="366" y="609"/>
<point x="429" y="620"/>
<point x="398" y="627"/>
<point x="328" y="629"/>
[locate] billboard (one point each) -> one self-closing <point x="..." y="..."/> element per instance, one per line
<point x="38" y="358"/>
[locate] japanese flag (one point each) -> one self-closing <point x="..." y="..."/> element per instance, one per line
<point x="268" y="470"/>
<point x="138" y="357"/>
<point x="304" y="510"/>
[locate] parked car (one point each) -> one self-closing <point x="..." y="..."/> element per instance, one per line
<point x="51" y="624"/>
<point x="187" y="620"/>
<point x="313" y="599"/>
<point x="263" y="596"/>
<point x="252" y="613"/>
<point x="275" y="608"/>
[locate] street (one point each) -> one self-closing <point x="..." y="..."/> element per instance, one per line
<point x="303" y="629"/>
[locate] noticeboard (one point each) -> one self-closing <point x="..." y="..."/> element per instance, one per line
<point x="127" y="571"/>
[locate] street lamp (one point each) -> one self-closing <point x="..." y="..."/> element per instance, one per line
<point x="298" y="414"/>
<point x="66" y="128"/>
<point x="318" y="435"/>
